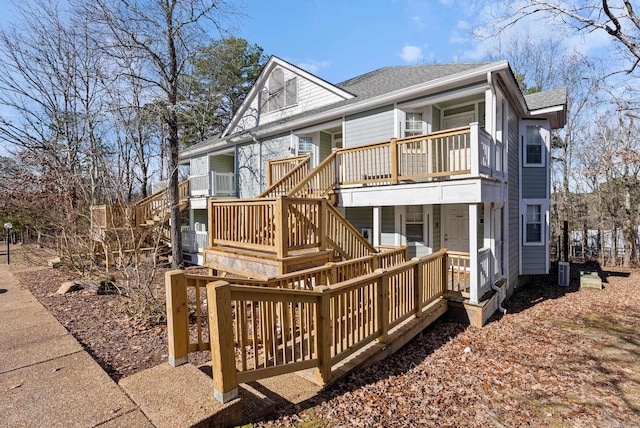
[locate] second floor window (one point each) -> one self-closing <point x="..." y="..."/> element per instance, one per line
<point x="534" y="145"/>
<point x="413" y="124"/>
<point x="280" y="93"/>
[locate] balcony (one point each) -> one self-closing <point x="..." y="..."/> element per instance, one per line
<point x="213" y="184"/>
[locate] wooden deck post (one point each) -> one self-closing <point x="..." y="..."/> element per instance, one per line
<point x="223" y="362"/>
<point x="418" y="289"/>
<point x="445" y="271"/>
<point x="383" y="305"/>
<point x="323" y="335"/>
<point x="212" y="221"/>
<point x="394" y="161"/>
<point x="177" y="317"/>
<point x="322" y="224"/>
<point x="282" y="227"/>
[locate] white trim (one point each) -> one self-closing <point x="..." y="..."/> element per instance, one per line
<point x="319" y="127"/>
<point x="272" y="63"/>
<point x="441" y="98"/>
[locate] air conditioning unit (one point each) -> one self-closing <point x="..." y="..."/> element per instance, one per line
<point x="563" y="274"/>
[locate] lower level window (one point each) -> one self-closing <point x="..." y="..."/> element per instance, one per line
<point x="533" y="227"/>
<point x="415" y="223"/>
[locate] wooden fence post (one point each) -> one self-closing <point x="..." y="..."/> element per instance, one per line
<point x="383" y="305"/>
<point x="323" y="335"/>
<point x="177" y="317"/>
<point x="322" y="224"/>
<point x="445" y="271"/>
<point x="212" y="220"/>
<point x="282" y="227"/>
<point x="223" y="362"/>
<point x="394" y="161"/>
<point x="418" y="288"/>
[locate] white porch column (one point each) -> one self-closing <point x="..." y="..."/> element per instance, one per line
<point x="474" y="149"/>
<point x="473" y="253"/>
<point x="377" y="225"/>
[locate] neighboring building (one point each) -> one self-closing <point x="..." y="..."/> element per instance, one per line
<point x="478" y="185"/>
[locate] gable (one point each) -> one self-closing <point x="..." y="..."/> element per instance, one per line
<point x="282" y="91"/>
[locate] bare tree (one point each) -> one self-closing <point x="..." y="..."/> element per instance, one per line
<point x="162" y="35"/>
<point x="615" y="17"/>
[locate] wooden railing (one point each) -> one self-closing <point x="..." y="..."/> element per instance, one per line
<point x="158" y="205"/>
<point x="451" y="152"/>
<point x="459" y="273"/>
<point x="278" y="168"/>
<point x="319" y="182"/>
<point x="258" y="332"/>
<point x="343" y="237"/>
<point x="186" y="289"/>
<point x="283" y="225"/>
<point x="288" y="181"/>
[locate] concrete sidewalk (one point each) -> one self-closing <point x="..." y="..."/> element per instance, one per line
<point x="46" y="377"/>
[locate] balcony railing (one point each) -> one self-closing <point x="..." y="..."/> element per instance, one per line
<point x="213" y="184"/>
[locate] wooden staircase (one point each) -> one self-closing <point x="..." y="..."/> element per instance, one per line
<point x="126" y="231"/>
<point x="291" y="226"/>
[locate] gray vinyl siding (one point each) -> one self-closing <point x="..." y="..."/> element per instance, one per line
<point x="198" y="166"/>
<point x="534" y="183"/>
<point x="513" y="257"/>
<point x="252" y="163"/>
<point x="534" y="259"/>
<point x="360" y="217"/>
<point x="388" y="233"/>
<point x="369" y="127"/>
<point x="221" y="163"/>
<point x="325" y="146"/>
<point x="437" y="224"/>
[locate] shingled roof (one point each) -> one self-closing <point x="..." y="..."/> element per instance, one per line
<point x="389" y="79"/>
<point x="552" y="98"/>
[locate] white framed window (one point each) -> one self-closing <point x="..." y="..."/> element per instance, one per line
<point x="280" y="93"/>
<point x="533" y="224"/>
<point x="414" y="223"/>
<point x="534" y="221"/>
<point x="534" y="147"/>
<point x="305" y="147"/>
<point x="413" y="124"/>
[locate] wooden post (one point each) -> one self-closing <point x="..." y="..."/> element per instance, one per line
<point x="282" y="227"/>
<point x="323" y="335"/>
<point x="332" y="275"/>
<point x="211" y="222"/>
<point x="445" y="271"/>
<point x="394" y="161"/>
<point x="177" y="317"/>
<point x="322" y="224"/>
<point x="382" y="293"/>
<point x="223" y="362"/>
<point x="418" y="289"/>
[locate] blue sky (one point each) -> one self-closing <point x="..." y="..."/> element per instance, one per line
<point x="338" y="40"/>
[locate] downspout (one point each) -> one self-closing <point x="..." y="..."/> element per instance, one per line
<point x="498" y="290"/>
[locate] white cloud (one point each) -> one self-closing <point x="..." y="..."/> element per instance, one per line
<point x="411" y="54"/>
<point x="313" y="66"/>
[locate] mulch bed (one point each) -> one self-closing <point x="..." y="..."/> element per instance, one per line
<point x="559" y="357"/>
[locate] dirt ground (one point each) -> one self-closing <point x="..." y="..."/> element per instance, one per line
<point x="559" y="357"/>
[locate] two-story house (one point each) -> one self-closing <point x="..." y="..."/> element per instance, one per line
<point x="431" y="156"/>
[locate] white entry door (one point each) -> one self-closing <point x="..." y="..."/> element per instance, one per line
<point x="455" y="219"/>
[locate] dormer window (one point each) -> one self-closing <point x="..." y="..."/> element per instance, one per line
<point x="279" y="93"/>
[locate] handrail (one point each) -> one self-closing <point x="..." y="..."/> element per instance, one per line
<point x="258" y="332"/>
<point x="343" y="237"/>
<point x="285" y="164"/>
<point x="319" y="182"/>
<point x="284" y="184"/>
